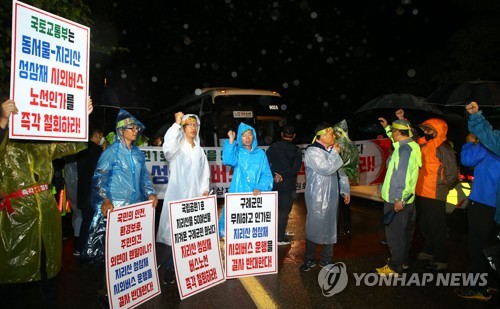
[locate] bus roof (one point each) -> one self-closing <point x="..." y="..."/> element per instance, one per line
<point x="226" y="91"/>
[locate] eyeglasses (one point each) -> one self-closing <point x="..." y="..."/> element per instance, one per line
<point x="136" y="129"/>
<point x="191" y="125"/>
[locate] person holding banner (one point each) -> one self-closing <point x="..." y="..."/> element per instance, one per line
<point x="324" y="175"/>
<point x="30" y="223"/>
<point x="120" y="178"/>
<point x="251" y="171"/>
<point x="189" y="175"/>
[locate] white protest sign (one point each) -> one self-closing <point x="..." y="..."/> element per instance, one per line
<point x="49" y="76"/>
<point x="195" y="245"/>
<point x="131" y="272"/>
<point x="251" y="229"/>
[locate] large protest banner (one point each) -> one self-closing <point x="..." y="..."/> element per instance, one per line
<point x="156" y="164"/>
<point x="131" y="271"/>
<point x="372" y="157"/>
<point x="195" y="245"/>
<point x="251" y="229"/>
<point x="49" y="76"/>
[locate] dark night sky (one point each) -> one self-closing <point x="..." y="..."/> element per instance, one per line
<point x="331" y="56"/>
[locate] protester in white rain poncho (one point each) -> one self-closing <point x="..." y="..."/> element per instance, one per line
<point x="324" y="175"/>
<point x="189" y="176"/>
<point x="189" y="173"/>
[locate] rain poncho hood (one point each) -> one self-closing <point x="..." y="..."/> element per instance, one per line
<point x="324" y="176"/>
<point x="36" y="218"/>
<point x="125" y="119"/>
<point x="188" y="169"/>
<point x="250" y="168"/>
<point x="121" y="176"/>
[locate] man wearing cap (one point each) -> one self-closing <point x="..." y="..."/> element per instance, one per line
<point x="324" y="176"/>
<point x="439" y="174"/>
<point x="285" y="160"/>
<point x="398" y="193"/>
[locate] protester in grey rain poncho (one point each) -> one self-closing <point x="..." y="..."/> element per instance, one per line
<point x="121" y="178"/>
<point x="323" y="172"/>
<point x="189" y="173"/>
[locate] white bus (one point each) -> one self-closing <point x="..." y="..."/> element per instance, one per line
<point x="222" y="109"/>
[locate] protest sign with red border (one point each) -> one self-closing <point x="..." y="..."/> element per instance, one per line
<point x="49" y="76"/>
<point x="195" y="244"/>
<point x="251" y="229"/>
<point x="131" y="272"/>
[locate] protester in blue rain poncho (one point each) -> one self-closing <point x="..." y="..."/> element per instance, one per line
<point x="324" y="176"/>
<point x="251" y="172"/>
<point x="120" y="179"/>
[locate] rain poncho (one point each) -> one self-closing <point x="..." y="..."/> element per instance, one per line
<point x="486" y="172"/>
<point x="482" y="129"/>
<point x="121" y="176"/>
<point x="323" y="173"/>
<point x="35" y="219"/>
<point x="250" y="168"/>
<point x="189" y="173"/>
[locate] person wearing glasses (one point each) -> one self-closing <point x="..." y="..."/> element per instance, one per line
<point x="324" y="177"/>
<point x="120" y="178"/>
<point x="189" y="176"/>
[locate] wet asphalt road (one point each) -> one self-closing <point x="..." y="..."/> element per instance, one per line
<point x="361" y="252"/>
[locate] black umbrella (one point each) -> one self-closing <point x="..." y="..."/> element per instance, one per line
<point x="486" y="93"/>
<point x="417" y="110"/>
<point x="454" y="96"/>
<point x="395" y="101"/>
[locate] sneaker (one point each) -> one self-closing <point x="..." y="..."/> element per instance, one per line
<point x="386" y="271"/>
<point x="324" y="263"/>
<point x="422" y="256"/>
<point x="473" y="294"/>
<point x="437" y="266"/>
<point x="284" y="241"/>
<point x="308" y="265"/>
<point x="404" y="267"/>
<point x="76" y="253"/>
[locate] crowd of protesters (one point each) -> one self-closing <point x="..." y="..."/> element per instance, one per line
<point x="420" y="172"/>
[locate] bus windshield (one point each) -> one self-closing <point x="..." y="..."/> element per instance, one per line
<point x="262" y="112"/>
<point x="223" y="109"/>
